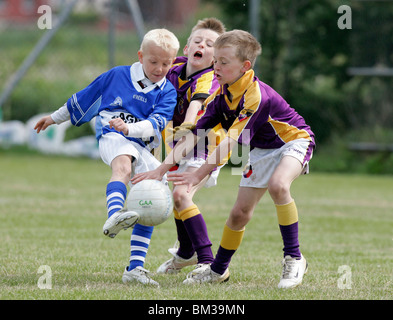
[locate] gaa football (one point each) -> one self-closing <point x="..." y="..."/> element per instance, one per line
<point x="152" y="200"/>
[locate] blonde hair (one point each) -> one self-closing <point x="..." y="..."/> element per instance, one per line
<point x="208" y="23"/>
<point x="162" y="38"/>
<point x="247" y="47"/>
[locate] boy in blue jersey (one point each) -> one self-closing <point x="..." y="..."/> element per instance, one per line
<point x="193" y="77"/>
<point x="140" y="95"/>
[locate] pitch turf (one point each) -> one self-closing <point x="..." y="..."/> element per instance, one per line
<point x="52" y="210"/>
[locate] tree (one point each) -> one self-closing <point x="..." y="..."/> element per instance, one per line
<point x="306" y="55"/>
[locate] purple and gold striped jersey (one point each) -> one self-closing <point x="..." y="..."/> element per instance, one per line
<point x="197" y="86"/>
<point x="254" y="114"/>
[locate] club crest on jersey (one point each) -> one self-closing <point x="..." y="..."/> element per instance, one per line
<point x="245" y="113"/>
<point x="117" y="102"/>
<point x="180" y="106"/>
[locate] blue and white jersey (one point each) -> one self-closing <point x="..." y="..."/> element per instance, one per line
<point x="121" y="92"/>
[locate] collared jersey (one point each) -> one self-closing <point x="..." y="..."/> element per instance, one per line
<point x="122" y="92"/>
<point x="254" y="114"/>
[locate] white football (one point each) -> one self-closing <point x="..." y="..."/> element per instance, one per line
<point x="152" y="200"/>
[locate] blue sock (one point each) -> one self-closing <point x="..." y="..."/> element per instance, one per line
<point x="116" y="193"/>
<point x="140" y="240"/>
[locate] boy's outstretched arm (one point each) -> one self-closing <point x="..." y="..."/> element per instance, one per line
<point x="182" y="148"/>
<point x="59" y="116"/>
<point x="43" y="123"/>
<point x="215" y="159"/>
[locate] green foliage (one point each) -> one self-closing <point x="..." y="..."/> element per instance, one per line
<point x="305" y="57"/>
<point x="337" y="157"/>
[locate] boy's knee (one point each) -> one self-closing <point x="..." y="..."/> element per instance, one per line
<point x="126" y="170"/>
<point x="278" y="189"/>
<point x="178" y="197"/>
<point x="239" y="217"/>
<point x="122" y="170"/>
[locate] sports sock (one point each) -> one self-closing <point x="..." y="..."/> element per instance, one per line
<point x="116" y="193"/>
<point x="288" y="221"/>
<point x="186" y="250"/>
<point x="140" y="240"/>
<point x="230" y="242"/>
<point x="196" y="229"/>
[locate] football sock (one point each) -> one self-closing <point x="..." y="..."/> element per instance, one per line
<point x="288" y="221"/>
<point x="116" y="193"/>
<point x="140" y="240"/>
<point x="196" y="229"/>
<point x="186" y="250"/>
<point x="230" y="242"/>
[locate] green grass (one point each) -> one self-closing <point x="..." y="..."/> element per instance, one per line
<point x="52" y="210"/>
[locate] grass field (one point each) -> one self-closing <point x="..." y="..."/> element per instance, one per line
<point x="52" y="210"/>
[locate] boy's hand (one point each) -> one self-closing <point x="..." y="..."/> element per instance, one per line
<point x="180" y="131"/>
<point x="43" y="123"/>
<point x="189" y="179"/>
<point x="154" y="175"/>
<point x="119" y="125"/>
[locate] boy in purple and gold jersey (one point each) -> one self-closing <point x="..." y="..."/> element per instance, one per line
<point x="281" y="146"/>
<point x="193" y="78"/>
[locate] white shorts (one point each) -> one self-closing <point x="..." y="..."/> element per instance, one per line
<point x="263" y="162"/>
<point x="113" y="144"/>
<point x="197" y="163"/>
